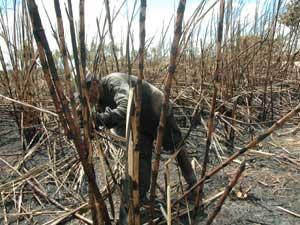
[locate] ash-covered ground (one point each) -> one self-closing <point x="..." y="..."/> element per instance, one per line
<point x="268" y="188"/>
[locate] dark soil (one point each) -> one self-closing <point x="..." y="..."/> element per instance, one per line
<point x="271" y="180"/>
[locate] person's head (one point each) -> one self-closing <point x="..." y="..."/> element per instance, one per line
<point x="93" y="85"/>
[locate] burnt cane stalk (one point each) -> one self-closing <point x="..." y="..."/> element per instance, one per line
<point x="127" y="56"/>
<point x="226" y="193"/>
<point x="269" y="80"/>
<point x="213" y="107"/>
<point x="74" y="45"/>
<point x="99" y="210"/>
<point x="165" y="105"/>
<point x="6" y="37"/>
<point x="38" y="34"/>
<point x="111" y="33"/>
<point x="250" y="145"/>
<point x="7" y="83"/>
<point x="63" y="50"/>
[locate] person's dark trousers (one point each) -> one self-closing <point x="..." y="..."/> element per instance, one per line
<point x="172" y="140"/>
<point x="186" y="167"/>
<point x="146" y="146"/>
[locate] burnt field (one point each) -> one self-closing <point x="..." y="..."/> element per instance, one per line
<point x="45" y="184"/>
<point x="233" y="82"/>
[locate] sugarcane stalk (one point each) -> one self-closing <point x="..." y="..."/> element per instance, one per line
<point x="133" y="175"/>
<point x="74" y="45"/>
<point x="127" y="55"/>
<point x="99" y="210"/>
<point x="36" y="24"/>
<point x="6" y="37"/>
<point x="269" y="76"/>
<point x="227" y="190"/>
<point x="213" y="107"/>
<point x="233" y="123"/>
<point x="28" y="105"/>
<point x="102" y="35"/>
<point x="134" y="216"/>
<point x="206" y="154"/>
<point x="240" y="152"/>
<point x="165" y="105"/>
<point x="63" y="51"/>
<point x="168" y="189"/>
<point x="8" y="84"/>
<point x="111" y="33"/>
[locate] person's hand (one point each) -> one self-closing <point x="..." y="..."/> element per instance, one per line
<point x="99" y="120"/>
<point x="79" y="116"/>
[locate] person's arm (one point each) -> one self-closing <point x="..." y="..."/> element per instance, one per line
<point x="117" y="116"/>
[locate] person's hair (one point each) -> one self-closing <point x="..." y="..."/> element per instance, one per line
<point x="89" y="79"/>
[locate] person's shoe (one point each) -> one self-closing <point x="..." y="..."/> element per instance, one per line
<point x="144" y="200"/>
<point x="122" y="216"/>
<point x="192" y="195"/>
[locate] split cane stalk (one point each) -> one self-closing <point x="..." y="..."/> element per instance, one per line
<point x="134" y="217"/>
<point x="165" y="105"/>
<point x="250" y="145"/>
<point x="213" y="106"/>
<point x="168" y="189"/>
<point x="226" y="193"/>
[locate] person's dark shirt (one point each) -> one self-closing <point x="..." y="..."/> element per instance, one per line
<point x="114" y="100"/>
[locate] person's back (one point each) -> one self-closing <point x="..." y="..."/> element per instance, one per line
<point x="119" y="83"/>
